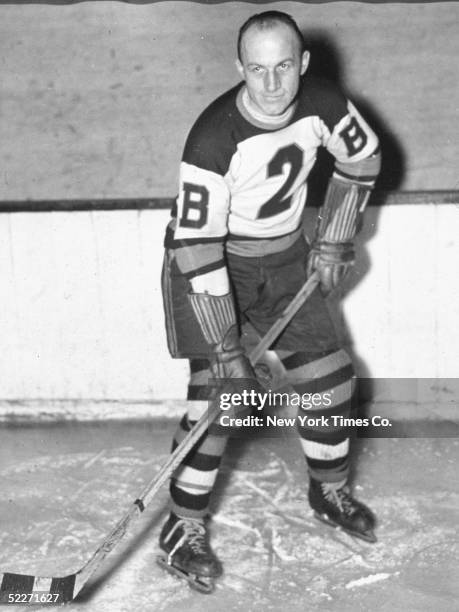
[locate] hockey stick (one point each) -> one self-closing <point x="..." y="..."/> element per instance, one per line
<point x="23" y="588"/>
<point x="286" y="316"/>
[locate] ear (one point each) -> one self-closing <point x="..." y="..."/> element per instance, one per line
<point x="305" y="61"/>
<point x="240" y="68"/>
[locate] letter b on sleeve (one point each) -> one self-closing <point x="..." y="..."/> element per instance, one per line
<point x="354" y="137"/>
<point x="195" y="206"/>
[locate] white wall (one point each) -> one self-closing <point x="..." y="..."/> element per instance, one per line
<point x="81" y="311"/>
<point x="81" y="308"/>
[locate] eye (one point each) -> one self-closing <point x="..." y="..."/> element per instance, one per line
<point x="257" y="69"/>
<point x="284" y="66"/>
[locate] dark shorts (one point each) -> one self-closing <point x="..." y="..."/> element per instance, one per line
<point x="263" y="287"/>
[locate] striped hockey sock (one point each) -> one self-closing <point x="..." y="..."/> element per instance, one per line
<point x="331" y="378"/>
<point x="193" y="482"/>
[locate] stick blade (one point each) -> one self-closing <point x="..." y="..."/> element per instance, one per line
<point x="22" y="588"/>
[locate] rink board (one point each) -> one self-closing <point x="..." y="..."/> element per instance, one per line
<point x="82" y="317"/>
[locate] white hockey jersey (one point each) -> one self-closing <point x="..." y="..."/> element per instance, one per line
<point x="243" y="181"/>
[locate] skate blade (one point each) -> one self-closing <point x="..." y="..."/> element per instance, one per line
<point x="202" y="584"/>
<point x="367" y="536"/>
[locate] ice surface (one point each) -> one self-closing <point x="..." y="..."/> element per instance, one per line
<point x="59" y="503"/>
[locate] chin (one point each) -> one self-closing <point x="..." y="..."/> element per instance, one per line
<point x="274" y="109"/>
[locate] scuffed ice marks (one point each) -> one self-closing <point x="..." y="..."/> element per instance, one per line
<point x="265" y="531"/>
<point x="59" y="508"/>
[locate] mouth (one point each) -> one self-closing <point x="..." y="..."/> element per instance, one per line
<point x="273" y="98"/>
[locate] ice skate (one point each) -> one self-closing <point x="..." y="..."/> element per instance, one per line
<point x="188" y="553"/>
<point x="334" y="505"/>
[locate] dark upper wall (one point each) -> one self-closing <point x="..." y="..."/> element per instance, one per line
<point x="97" y="97"/>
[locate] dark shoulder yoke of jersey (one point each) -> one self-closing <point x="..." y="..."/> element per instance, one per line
<point x="322" y="98"/>
<point x="214" y="137"/>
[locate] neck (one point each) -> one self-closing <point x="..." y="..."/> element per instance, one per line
<point x="259" y="116"/>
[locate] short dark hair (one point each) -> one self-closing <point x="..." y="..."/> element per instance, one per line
<point x="268" y="20"/>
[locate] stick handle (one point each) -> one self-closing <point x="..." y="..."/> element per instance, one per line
<point x="175" y="458"/>
<point x="285" y="318"/>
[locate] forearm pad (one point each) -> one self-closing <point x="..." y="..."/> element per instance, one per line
<point x="339" y="217"/>
<point x="215" y="315"/>
<point x="217" y="319"/>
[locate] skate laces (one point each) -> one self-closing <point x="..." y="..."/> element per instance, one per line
<point x="339" y="496"/>
<point x="194" y="534"/>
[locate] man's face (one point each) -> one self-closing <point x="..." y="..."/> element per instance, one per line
<point x="271" y="64"/>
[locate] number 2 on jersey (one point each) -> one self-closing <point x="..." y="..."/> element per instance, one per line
<point x="292" y="155"/>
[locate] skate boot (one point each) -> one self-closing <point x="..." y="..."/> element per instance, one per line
<point x="333" y="504"/>
<point x="188" y="553"/>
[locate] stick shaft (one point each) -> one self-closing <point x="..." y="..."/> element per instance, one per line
<point x="285" y="318"/>
<point x="71" y="585"/>
<point x="198" y="429"/>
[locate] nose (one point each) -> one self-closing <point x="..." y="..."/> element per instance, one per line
<point x="272" y="81"/>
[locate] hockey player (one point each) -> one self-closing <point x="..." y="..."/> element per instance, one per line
<point x="235" y="252"/>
